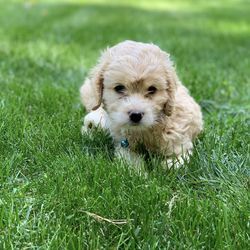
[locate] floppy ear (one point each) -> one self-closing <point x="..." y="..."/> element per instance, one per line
<point x="97" y="79"/>
<point x="169" y="104"/>
<point x="171" y="81"/>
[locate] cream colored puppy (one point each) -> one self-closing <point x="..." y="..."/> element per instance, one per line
<point x="134" y="93"/>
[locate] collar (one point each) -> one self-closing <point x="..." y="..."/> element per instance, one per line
<point x="124" y="143"/>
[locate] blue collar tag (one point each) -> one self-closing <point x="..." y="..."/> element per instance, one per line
<point x="124" y="143"/>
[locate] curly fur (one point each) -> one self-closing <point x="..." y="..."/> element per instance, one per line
<point x="171" y="120"/>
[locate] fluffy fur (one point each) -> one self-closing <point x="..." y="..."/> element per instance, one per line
<point x="171" y="119"/>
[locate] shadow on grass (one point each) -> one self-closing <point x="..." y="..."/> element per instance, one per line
<point x="108" y="24"/>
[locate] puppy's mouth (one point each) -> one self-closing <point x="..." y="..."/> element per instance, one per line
<point x="141" y="125"/>
<point x="135" y="126"/>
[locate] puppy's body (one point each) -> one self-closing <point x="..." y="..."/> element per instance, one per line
<point x="135" y="93"/>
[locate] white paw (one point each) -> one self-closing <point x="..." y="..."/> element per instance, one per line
<point x="179" y="161"/>
<point x="175" y="163"/>
<point x="94" y="119"/>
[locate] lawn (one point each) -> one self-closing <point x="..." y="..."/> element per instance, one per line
<point x="54" y="182"/>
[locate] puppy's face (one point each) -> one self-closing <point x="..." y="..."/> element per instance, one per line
<point x="137" y="88"/>
<point x="134" y="96"/>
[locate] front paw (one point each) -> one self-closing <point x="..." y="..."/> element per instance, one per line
<point x="179" y="161"/>
<point x="95" y="119"/>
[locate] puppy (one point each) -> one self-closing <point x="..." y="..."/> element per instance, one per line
<point x="135" y="94"/>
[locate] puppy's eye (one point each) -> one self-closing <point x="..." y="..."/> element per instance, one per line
<point x="119" y="88"/>
<point x="152" y="90"/>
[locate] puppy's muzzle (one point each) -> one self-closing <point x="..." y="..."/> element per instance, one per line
<point x="135" y="117"/>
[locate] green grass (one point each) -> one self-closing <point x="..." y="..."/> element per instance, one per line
<point x="50" y="175"/>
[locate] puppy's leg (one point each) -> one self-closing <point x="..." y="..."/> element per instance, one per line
<point x="130" y="157"/>
<point x="181" y="155"/>
<point x="179" y="160"/>
<point x="96" y="118"/>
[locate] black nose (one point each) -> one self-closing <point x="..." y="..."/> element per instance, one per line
<point x="135" y="116"/>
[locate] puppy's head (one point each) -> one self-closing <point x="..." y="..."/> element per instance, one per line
<point x="136" y="83"/>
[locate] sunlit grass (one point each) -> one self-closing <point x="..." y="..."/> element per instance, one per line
<point x="51" y="176"/>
